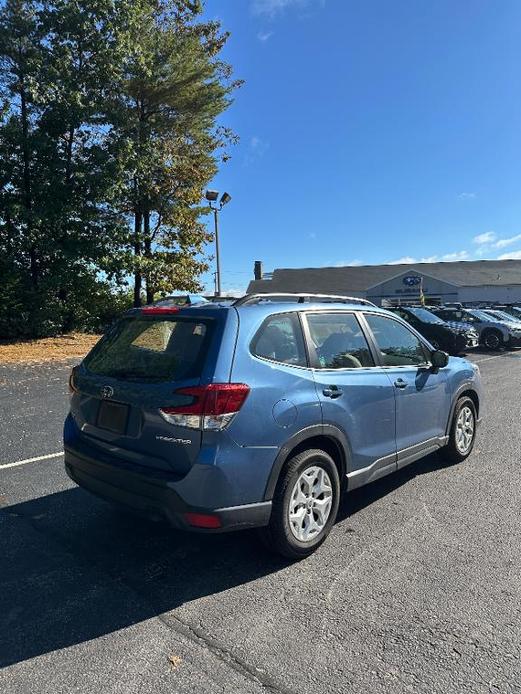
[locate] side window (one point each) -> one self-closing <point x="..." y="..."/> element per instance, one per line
<point x="339" y="341"/>
<point x="280" y="339"/>
<point x="397" y="344"/>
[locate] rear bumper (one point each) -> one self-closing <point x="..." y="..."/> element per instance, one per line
<point x="154" y="495"/>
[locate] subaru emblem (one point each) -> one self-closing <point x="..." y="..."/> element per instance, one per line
<point x="107" y="392"/>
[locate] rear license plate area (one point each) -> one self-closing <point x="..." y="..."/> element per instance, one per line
<point x="113" y="416"/>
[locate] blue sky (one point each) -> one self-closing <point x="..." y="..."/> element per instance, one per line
<point x="371" y="131"/>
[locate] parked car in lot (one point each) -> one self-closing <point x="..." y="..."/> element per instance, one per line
<point x="503" y="316"/>
<point x="261" y="413"/>
<point x="493" y="333"/>
<point x="454" y="339"/>
<point x="513" y="311"/>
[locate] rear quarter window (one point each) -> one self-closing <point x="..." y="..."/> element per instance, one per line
<point x="280" y="339"/>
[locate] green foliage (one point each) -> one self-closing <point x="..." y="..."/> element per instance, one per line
<point x="107" y="137"/>
<point x="164" y="112"/>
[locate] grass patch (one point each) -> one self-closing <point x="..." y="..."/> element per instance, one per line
<point x="60" y="348"/>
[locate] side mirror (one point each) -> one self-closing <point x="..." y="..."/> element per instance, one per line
<point x="439" y="359"/>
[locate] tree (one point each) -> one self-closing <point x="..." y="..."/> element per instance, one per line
<point x="56" y="221"/>
<point x="108" y="134"/>
<point x="20" y="65"/>
<point x="173" y="88"/>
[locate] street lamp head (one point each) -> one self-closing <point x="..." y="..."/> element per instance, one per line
<point x="212" y="195"/>
<point x="225" y="199"/>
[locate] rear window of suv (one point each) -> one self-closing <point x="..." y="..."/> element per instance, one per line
<point x="152" y="350"/>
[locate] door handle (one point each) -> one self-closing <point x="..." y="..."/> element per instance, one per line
<point x="332" y="392"/>
<point x="400" y="383"/>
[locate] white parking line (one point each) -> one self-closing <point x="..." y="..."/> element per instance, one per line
<point x="32" y="460"/>
<point x="496" y="356"/>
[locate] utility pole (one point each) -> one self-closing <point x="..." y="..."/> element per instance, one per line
<point x="217" y="256"/>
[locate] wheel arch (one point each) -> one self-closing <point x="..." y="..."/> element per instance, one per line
<point x="503" y="337"/>
<point x="465" y="390"/>
<point x="324" y="437"/>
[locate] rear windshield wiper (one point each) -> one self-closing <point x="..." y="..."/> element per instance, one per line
<point x="127" y="373"/>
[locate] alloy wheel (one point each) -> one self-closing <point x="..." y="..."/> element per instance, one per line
<point x="465" y="426"/>
<point x="492" y="341"/>
<point x="310" y="503"/>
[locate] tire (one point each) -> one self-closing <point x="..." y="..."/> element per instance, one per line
<point x="303" y="472"/>
<point x="455" y="451"/>
<point x="492" y="339"/>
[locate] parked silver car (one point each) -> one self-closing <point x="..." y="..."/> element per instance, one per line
<point x="493" y="332"/>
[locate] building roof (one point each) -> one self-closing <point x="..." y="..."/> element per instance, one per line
<point x="358" y="279"/>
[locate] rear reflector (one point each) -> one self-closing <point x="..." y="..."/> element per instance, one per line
<point x="159" y="310"/>
<point x="212" y="407"/>
<point x="203" y="520"/>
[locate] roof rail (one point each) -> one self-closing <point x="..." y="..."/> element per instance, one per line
<point x="250" y="299"/>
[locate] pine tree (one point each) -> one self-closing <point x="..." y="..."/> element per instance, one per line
<point x="56" y="221"/>
<point x="173" y="89"/>
<point x="108" y="134"/>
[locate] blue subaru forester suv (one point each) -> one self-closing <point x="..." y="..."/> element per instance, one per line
<point x="262" y="412"/>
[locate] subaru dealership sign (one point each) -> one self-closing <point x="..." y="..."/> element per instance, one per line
<point x="412" y="280"/>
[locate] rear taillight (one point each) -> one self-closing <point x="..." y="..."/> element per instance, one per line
<point x="212" y="407"/>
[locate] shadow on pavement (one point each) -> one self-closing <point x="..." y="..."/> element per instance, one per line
<point x="361" y="498"/>
<point x="73" y="569"/>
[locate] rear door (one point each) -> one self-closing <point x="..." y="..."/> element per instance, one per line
<point x="423" y="395"/>
<point x="271" y="359"/>
<point x="354" y="392"/>
<point x="133" y="372"/>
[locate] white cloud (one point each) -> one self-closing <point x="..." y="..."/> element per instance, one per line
<point x="271" y="8"/>
<point x="257" y="147"/>
<point x="446" y="258"/>
<point x="347" y="263"/>
<point x="265" y="35"/>
<point x="452" y="257"/>
<point x="405" y="260"/>
<point x="503" y="243"/>
<point x="467" y="196"/>
<point x="227" y="289"/>
<point x="487" y="237"/>
<point x="512" y="255"/>
<point x="429" y="259"/>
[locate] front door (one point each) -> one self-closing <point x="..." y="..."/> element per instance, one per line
<point x="423" y="395"/>
<point x="355" y="394"/>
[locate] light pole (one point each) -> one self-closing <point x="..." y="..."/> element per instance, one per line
<point x="211" y="196"/>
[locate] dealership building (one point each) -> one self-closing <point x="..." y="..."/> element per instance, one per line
<point x="478" y="282"/>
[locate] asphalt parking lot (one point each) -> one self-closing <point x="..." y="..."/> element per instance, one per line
<point x="418" y="588"/>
